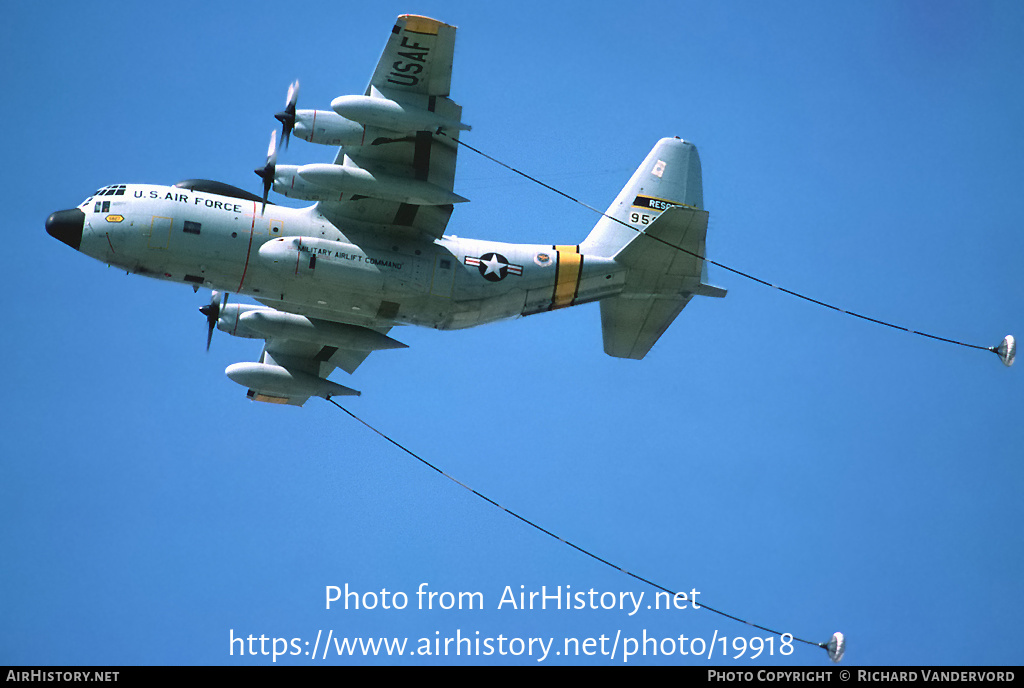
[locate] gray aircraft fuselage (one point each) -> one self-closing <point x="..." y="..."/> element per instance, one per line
<point x="298" y="259"/>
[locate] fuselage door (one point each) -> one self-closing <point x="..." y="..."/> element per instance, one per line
<point x="160" y="232"/>
<point x="444" y="275"/>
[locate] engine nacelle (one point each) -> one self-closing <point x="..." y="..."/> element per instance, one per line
<point x="327" y="128"/>
<point x="349" y="179"/>
<point x="388" y="114"/>
<point x="287" y="182"/>
<point x="274" y="323"/>
<point x="230" y="320"/>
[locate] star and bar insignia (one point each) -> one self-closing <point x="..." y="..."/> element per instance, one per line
<point x="494" y="266"/>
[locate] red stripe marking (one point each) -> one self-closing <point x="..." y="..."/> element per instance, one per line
<point x="252" y="230"/>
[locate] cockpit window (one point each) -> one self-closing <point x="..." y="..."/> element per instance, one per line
<point x="112" y="190"/>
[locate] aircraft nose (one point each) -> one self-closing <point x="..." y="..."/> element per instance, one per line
<point x="67" y="225"/>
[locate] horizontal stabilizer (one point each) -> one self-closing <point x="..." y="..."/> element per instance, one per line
<point x="666" y="269"/>
<point x="631" y="325"/>
<point x="673" y="245"/>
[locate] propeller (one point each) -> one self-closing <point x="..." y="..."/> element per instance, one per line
<point x="267" y="172"/>
<point x="212" y="313"/>
<point x="287" y="116"/>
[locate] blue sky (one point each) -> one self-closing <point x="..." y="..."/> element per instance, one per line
<point x="801" y="469"/>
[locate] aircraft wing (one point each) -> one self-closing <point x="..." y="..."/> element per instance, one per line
<point x="415" y="70"/>
<point x="299" y="353"/>
<point x="314" y="359"/>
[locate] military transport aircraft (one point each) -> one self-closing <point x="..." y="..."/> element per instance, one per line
<point x="335" y="277"/>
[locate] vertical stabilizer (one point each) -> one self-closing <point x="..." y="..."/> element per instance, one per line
<point x="661" y="244"/>
<point x="670" y="175"/>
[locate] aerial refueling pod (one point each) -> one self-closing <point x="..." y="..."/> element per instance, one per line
<point x="388" y="114"/>
<point x="275" y="380"/>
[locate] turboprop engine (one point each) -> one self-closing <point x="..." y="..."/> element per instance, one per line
<point x="327" y="128"/>
<point x="268" y="322"/>
<point x="327" y="182"/>
<point x="262" y="322"/>
<point x="316" y="126"/>
<point x="354" y="180"/>
<point x="347" y="122"/>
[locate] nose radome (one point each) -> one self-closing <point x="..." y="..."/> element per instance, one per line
<point x="67" y="225"/>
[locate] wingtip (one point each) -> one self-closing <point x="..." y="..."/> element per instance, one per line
<point x="421" y="24"/>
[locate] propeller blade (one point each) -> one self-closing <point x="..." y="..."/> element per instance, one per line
<point x="268" y="171"/>
<point x="272" y="149"/>
<point x="287" y="116"/>
<point x="212" y="313"/>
